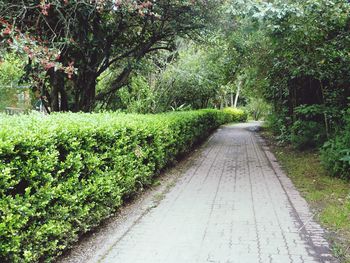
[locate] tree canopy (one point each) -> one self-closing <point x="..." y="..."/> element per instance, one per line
<point x="72" y="43"/>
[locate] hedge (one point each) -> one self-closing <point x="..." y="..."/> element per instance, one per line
<point x="62" y="174"/>
<point x="237" y="115"/>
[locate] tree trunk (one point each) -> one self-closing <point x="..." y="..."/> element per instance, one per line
<point x="58" y="96"/>
<point x="324" y="113"/>
<point x="117" y="84"/>
<point x="64" y="97"/>
<point x="237" y="94"/>
<point x="54" y="98"/>
<point x="85" y="88"/>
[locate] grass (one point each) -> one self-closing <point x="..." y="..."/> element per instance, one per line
<point x="328" y="196"/>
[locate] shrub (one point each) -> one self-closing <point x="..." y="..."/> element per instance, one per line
<point x="277" y="123"/>
<point x="257" y="108"/>
<point x="237" y="115"/>
<point x="335" y="154"/>
<point x="307" y="134"/>
<point x="309" y="130"/>
<point x="62" y="174"/>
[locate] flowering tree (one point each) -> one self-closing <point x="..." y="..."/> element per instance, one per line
<point x="71" y="42"/>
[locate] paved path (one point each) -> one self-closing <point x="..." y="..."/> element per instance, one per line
<point x="233" y="205"/>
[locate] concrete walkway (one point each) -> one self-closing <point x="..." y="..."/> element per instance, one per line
<point x="234" y="204"/>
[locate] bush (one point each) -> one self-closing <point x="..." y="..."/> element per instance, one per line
<point x="309" y="130"/>
<point x="307" y="134"/>
<point x="335" y="154"/>
<point x="11" y="72"/>
<point x="277" y="123"/>
<point x="257" y="108"/>
<point x="237" y="115"/>
<point x="62" y="174"/>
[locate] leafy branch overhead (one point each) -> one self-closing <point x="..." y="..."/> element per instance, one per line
<point x="92" y="36"/>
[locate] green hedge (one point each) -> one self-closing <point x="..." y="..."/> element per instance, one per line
<point x="62" y="174"/>
<point x="237" y="115"/>
<point x="335" y="154"/>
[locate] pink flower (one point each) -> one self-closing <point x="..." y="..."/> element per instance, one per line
<point x="49" y="65"/>
<point x="7" y="31"/>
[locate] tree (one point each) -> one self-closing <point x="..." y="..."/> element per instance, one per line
<point x="93" y="35"/>
<point x="11" y="71"/>
<point x="195" y="77"/>
<point x="309" y="60"/>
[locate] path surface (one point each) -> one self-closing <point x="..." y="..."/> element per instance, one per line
<point x="233" y="204"/>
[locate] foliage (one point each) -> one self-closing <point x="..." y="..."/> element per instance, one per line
<point x="276" y="122"/>
<point x="138" y="96"/>
<point x="194" y="78"/>
<point x="87" y="37"/>
<point x="237" y="115"/>
<point x="297" y="58"/>
<point x="308" y="130"/>
<point x="307" y="134"/>
<point x="257" y="108"/>
<point x="61" y="175"/>
<point x="11" y="71"/>
<point x="298" y="61"/>
<point x="335" y="153"/>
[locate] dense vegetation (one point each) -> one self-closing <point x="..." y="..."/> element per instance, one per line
<point x="71" y="43"/>
<point x="62" y="175"/>
<point x="298" y="53"/>
<point x="288" y="59"/>
<point x="285" y="61"/>
<point x="336" y="152"/>
<point x="11" y="71"/>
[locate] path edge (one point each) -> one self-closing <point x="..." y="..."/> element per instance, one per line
<point x="314" y="231"/>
